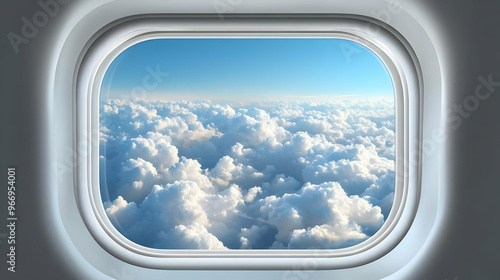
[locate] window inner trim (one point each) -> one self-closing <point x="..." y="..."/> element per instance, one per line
<point x="395" y="56"/>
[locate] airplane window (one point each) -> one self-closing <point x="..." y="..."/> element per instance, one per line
<point x="247" y="143"/>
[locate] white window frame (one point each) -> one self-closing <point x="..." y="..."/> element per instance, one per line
<point x="388" y="45"/>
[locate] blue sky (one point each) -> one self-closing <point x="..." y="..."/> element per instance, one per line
<point x="236" y="69"/>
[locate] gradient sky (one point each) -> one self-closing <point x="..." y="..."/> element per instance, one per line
<point x="235" y="69"/>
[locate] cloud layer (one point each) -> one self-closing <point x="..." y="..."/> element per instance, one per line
<point x="203" y="175"/>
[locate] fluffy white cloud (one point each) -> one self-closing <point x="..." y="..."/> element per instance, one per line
<point x="251" y="237"/>
<point x="188" y="237"/>
<point x="316" y="208"/>
<point x="277" y="175"/>
<point x="252" y="194"/>
<point x="137" y="178"/>
<point x="226" y="172"/>
<point x="280" y="185"/>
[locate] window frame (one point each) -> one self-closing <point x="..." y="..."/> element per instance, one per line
<point x="391" y="49"/>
